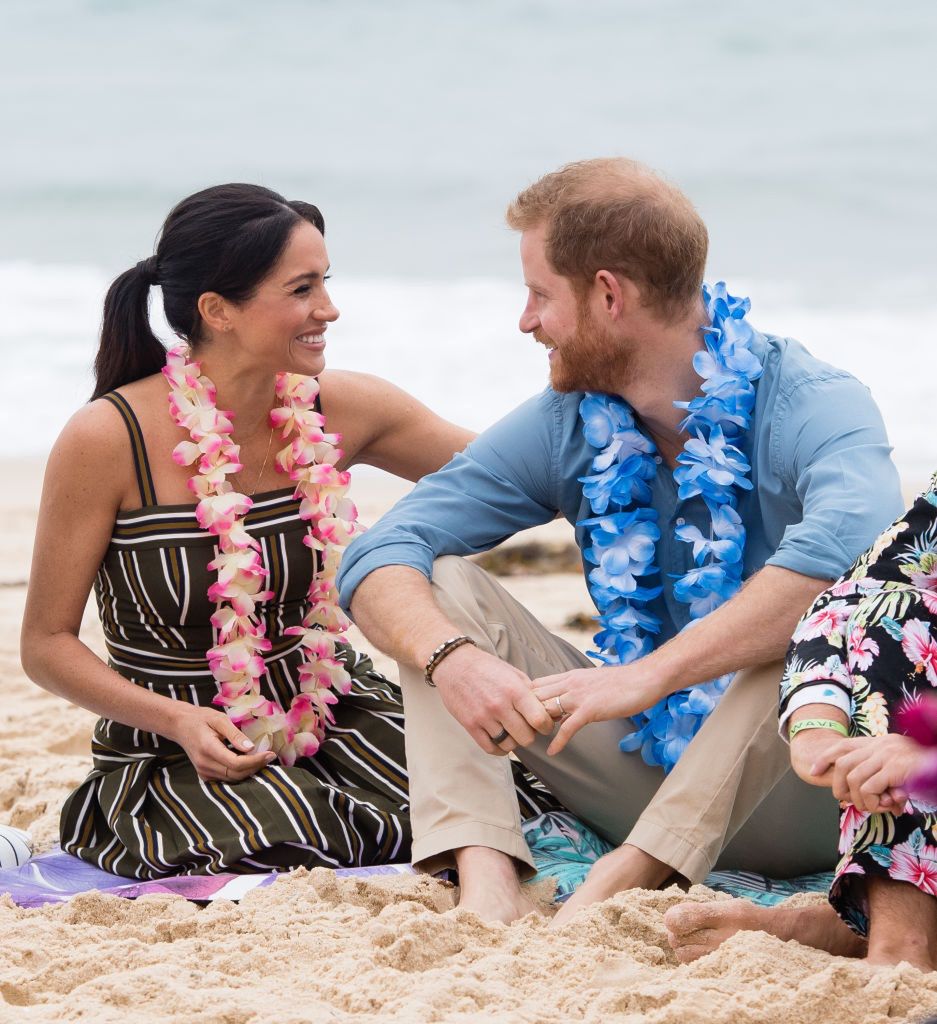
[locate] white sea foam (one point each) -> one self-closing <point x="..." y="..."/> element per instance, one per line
<point x="455" y="345"/>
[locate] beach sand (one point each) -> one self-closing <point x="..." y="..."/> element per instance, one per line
<point x="315" y="948"/>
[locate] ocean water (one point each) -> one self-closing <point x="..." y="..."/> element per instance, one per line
<point x="806" y="134"/>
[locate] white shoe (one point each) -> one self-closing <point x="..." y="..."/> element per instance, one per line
<point x="16" y="847"/>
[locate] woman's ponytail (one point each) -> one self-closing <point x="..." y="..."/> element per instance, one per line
<point x="129" y="350"/>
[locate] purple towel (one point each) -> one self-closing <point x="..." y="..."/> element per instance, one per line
<point x="56" y="876"/>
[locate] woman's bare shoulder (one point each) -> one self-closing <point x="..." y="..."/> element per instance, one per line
<point x="100" y="422"/>
<point x="365" y="393"/>
<point x="353" y="383"/>
<point x="96" y="428"/>
<point x="94" y="446"/>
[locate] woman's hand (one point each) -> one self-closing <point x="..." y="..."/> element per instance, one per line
<point x="870" y="771"/>
<point x="204" y="734"/>
<point x="586" y="695"/>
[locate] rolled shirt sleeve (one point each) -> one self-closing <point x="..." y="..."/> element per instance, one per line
<point x="504" y="482"/>
<point x="839" y="464"/>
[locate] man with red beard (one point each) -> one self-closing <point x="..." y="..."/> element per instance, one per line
<point x="776" y="476"/>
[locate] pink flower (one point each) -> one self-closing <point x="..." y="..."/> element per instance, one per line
<point x="296" y="387"/>
<point x="325" y="673"/>
<point x="921" y="648"/>
<point x="915" y="863"/>
<point x="241" y="654"/>
<point x="917" y="718"/>
<point x="832" y="669"/>
<point x="332" y="530"/>
<point x="926" y="581"/>
<point x="825" y="622"/>
<point x="220" y="512"/>
<point x="850" y="822"/>
<point x="265" y="728"/>
<point x="862" y="649"/>
<point x="236" y="661"/>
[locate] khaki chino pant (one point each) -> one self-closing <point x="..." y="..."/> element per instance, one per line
<point x="732" y="801"/>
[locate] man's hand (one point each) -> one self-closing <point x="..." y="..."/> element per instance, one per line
<point x="596" y="695"/>
<point x="486" y="695"/>
<point x="869" y="771"/>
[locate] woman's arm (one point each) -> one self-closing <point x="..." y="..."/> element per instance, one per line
<point x="87" y="475"/>
<point x="383" y="426"/>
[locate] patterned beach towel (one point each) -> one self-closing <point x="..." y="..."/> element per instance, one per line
<point x="563" y="850"/>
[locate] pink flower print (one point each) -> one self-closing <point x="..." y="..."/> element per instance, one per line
<point x="862" y="649"/>
<point x="925" y="580"/>
<point x="833" y="669"/>
<point x="848" y="867"/>
<point x="850" y="822"/>
<point x="916" y="862"/>
<point x="825" y="622"/>
<point x="921" y="648"/>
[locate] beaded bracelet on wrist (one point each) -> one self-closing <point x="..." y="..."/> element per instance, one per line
<point x="443" y="651"/>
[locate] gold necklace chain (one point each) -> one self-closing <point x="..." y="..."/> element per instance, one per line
<point x="263" y="464"/>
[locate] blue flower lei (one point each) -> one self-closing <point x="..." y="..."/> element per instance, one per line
<point x="623" y="532"/>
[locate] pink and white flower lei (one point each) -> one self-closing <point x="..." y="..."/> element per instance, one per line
<point x="237" y="659"/>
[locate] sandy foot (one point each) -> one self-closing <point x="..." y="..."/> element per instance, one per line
<point x="694" y="929"/>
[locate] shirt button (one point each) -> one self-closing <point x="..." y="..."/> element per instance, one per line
<point x="658" y="459"/>
<point x="681" y="521"/>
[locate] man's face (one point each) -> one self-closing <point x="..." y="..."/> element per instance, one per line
<point x="583" y="355"/>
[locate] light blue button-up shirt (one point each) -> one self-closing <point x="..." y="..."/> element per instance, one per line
<point x="824" y="484"/>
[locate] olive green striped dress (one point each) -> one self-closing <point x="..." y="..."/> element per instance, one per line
<point x="143" y="811"/>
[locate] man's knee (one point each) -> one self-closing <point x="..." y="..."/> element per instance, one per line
<point x="454" y="575"/>
<point x="449" y="569"/>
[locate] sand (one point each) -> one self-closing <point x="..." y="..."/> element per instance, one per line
<point x="315" y="948"/>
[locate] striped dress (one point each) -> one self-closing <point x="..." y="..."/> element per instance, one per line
<point x="143" y="812"/>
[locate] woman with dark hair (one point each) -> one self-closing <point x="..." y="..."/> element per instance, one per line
<point x="238" y="730"/>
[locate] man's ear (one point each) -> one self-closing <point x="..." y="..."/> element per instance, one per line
<point x="214" y="310"/>
<point x="617" y="296"/>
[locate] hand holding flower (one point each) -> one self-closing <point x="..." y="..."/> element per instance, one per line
<point x="219" y="751"/>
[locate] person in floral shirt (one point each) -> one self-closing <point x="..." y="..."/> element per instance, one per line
<point x="862" y="658"/>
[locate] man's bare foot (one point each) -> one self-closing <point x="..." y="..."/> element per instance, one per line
<point x="625" y="868"/>
<point x="695" y="929"/>
<point x="489" y="886"/>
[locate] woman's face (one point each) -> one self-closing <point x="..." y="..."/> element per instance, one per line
<point x="284" y="322"/>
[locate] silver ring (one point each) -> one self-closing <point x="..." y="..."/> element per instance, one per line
<point x="559" y="704"/>
<point x="501" y="737"/>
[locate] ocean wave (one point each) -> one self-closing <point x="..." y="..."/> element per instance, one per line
<point x="454" y="344"/>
